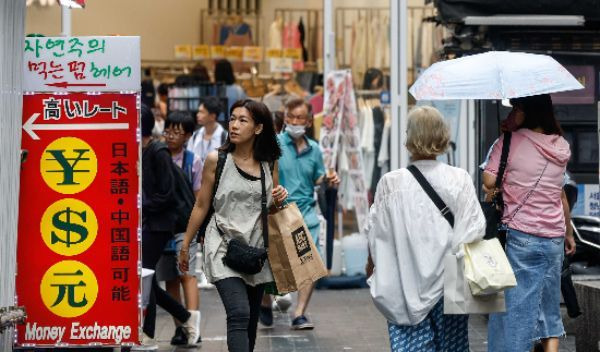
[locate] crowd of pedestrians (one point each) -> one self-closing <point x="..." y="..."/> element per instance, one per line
<point x="238" y="171"/>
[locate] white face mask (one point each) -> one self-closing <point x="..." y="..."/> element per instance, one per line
<point x="295" y="131"/>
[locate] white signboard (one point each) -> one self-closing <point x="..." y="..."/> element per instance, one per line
<point x="282" y="65"/>
<point x="588" y="200"/>
<point x="61" y="64"/>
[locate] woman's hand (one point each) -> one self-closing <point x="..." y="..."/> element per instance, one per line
<point x="184" y="262"/>
<point x="570" y="246"/>
<point x="333" y="179"/>
<point x="279" y="194"/>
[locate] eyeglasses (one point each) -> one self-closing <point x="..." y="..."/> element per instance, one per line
<point x="168" y="134"/>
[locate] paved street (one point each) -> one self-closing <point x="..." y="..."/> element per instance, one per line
<point x="345" y="320"/>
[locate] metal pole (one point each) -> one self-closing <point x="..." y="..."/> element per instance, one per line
<point x="66" y="21"/>
<point x="12" y="28"/>
<point x="398" y="71"/>
<point x="329" y="38"/>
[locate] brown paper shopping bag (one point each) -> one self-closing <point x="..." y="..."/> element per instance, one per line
<point x="294" y="258"/>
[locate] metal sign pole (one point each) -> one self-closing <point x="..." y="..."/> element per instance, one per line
<point x="65" y="21"/>
<point x="398" y="70"/>
<point x="329" y="37"/>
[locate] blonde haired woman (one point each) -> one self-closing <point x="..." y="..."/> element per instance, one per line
<point x="409" y="238"/>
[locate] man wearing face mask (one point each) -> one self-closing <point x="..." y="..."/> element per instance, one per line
<point x="301" y="168"/>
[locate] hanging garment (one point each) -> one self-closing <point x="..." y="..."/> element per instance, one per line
<point x="317" y="103"/>
<point x="375" y="41"/>
<point x="239" y="35"/>
<point x="367" y="142"/>
<point x="302" y="39"/>
<point x="291" y="39"/>
<point x="383" y="159"/>
<point x="426" y="43"/>
<point x="378" y="122"/>
<point x="386" y="42"/>
<point x="224" y="31"/>
<point x="276" y="34"/>
<point x="358" y="59"/>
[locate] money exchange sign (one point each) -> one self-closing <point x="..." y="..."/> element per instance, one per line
<point x="78" y="246"/>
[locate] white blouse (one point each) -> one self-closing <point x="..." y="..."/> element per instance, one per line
<point x="409" y="238"/>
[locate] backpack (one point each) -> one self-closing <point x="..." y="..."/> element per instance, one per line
<point x="183" y="193"/>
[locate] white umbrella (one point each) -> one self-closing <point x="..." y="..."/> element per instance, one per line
<point x="493" y="75"/>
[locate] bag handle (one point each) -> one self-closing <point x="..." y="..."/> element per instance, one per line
<point x="437" y="200"/>
<point x="211" y="210"/>
<point x="263" y="203"/>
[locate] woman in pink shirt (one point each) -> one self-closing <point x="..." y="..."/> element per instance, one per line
<point x="536" y="218"/>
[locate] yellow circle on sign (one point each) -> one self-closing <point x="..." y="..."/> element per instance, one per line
<point x="68" y="165"/>
<point x="69" y="227"/>
<point x="69" y="289"/>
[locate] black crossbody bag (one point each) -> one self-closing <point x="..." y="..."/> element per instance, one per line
<point x="242" y="257"/>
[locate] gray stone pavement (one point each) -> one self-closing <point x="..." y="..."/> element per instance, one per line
<point x="345" y="320"/>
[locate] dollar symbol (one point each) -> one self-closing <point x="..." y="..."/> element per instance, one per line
<point x="68" y="227"/>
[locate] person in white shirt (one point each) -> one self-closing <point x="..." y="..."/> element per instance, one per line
<point x="409" y="238"/>
<point x="211" y="135"/>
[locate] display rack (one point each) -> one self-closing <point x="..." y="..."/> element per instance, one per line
<point x="187" y="97"/>
<point x="345" y="17"/>
<point x="313" y="26"/>
<point x="213" y="19"/>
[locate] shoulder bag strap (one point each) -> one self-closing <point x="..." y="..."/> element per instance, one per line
<point x="218" y="172"/>
<point x="503" y="159"/>
<point x="528" y="194"/>
<point x="263" y="203"/>
<point x="439" y="203"/>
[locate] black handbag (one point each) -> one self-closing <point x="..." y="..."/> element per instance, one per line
<point x="242" y="257"/>
<point x="493" y="210"/>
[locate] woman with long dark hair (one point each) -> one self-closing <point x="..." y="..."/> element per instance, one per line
<point x="538" y="226"/>
<point x="247" y="158"/>
<point x="224" y="74"/>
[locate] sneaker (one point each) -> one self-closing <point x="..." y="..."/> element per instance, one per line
<point x="148" y="344"/>
<point x="283" y="303"/>
<point x="302" y="323"/>
<point x="265" y="316"/>
<point x="203" y="282"/>
<point x="192" y="328"/>
<point x="180" y="338"/>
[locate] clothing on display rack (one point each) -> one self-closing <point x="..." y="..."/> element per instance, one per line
<point x="291" y="40"/>
<point x="187" y="98"/>
<point x="302" y="40"/>
<point x="276" y="34"/>
<point x="300" y="28"/>
<point x="370" y="45"/>
<point x="375" y="124"/>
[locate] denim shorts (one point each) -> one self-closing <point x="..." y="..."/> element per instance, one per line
<point x="533" y="307"/>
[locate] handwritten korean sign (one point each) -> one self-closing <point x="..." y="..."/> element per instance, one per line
<point x="81" y="64"/>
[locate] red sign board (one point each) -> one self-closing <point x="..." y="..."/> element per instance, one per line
<point x="78" y="248"/>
